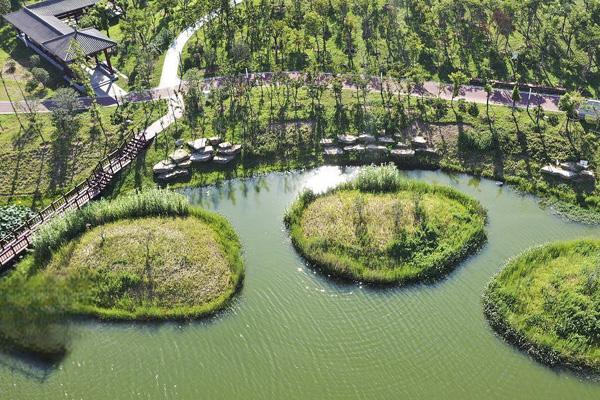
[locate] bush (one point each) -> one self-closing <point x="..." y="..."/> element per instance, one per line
<point x="375" y="179"/>
<point x="41" y="75"/>
<point x="475" y="140"/>
<point x="10" y="66"/>
<point x="553" y="119"/>
<point x="163" y="39"/>
<point x="473" y="110"/>
<point x="12" y="217"/>
<point x="31" y="85"/>
<point x="34" y="60"/>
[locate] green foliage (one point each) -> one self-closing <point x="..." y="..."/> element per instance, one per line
<point x="32" y="318"/>
<point x="34" y="61"/>
<point x="547" y="301"/>
<point x="144" y="256"/>
<point x="418" y="40"/>
<point x="378" y="179"/>
<point x="5" y="7"/>
<point x="12" y="217"/>
<point x="475" y="140"/>
<point x="41" y="75"/>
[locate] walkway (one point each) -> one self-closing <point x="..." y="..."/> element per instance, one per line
<point x="171" y="66"/>
<point x="104" y="86"/>
<point x="472" y="94"/>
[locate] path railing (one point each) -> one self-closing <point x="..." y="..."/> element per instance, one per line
<point x="15" y="244"/>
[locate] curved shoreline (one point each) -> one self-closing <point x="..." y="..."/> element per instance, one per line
<point x="155" y="205"/>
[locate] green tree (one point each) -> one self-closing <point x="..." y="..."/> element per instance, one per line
<point x="5" y="7"/>
<point x="569" y="104"/>
<point x="458" y="79"/>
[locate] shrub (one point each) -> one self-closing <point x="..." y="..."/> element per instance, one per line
<point x="163" y="39"/>
<point x="34" y="60"/>
<point x="475" y="140"/>
<point x="375" y="179"/>
<point x="473" y="110"/>
<point x="41" y="75"/>
<point x="12" y="217"/>
<point x="553" y="119"/>
<point x="10" y="66"/>
<point x="31" y="85"/>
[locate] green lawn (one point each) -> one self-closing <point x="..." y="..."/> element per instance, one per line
<point x="12" y="48"/>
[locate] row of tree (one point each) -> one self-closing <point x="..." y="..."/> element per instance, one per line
<point x="554" y="42"/>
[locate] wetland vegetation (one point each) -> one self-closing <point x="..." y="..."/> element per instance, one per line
<point x="381" y="228"/>
<point x="547" y="301"/>
<point x="148" y="256"/>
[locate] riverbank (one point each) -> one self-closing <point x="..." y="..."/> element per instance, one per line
<point x="545" y="302"/>
<point x="467" y="138"/>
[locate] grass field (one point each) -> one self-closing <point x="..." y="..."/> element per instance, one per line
<point x="547" y="302"/>
<point x="33" y="172"/>
<point x="12" y="48"/>
<point x="386" y="233"/>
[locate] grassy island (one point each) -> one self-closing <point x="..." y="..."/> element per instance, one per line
<point x="547" y="302"/>
<point x="146" y="256"/>
<point x="381" y="228"/>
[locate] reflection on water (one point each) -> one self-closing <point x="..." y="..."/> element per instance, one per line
<point x="293" y="333"/>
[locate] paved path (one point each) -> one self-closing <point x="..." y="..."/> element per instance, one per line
<point x="476" y="94"/>
<point x="170" y="72"/>
<point x="103" y="85"/>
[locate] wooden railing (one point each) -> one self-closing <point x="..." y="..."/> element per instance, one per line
<point x="15" y="243"/>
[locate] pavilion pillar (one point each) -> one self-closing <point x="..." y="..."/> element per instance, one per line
<point x="110" y="68"/>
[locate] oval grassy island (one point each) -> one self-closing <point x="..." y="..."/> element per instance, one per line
<point x="547" y="302"/>
<point x="383" y="229"/>
<point x="145" y="256"/>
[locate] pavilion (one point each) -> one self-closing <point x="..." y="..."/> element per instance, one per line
<point x="50" y="29"/>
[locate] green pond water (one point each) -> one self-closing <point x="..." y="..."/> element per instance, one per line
<point x="292" y="333"/>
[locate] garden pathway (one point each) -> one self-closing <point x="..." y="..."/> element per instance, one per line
<point x="171" y="66"/>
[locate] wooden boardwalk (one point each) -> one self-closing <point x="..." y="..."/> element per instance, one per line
<point x="21" y="238"/>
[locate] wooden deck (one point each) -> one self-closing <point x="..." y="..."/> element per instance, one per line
<point x="21" y="238"/>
